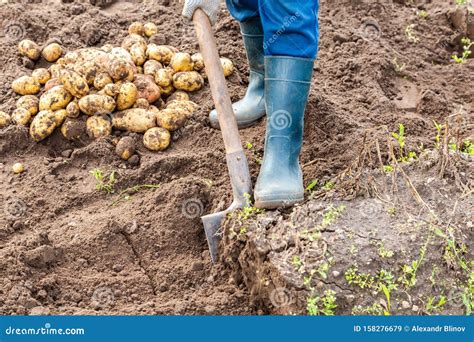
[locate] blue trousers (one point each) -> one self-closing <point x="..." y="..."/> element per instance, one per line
<point x="290" y="27"/>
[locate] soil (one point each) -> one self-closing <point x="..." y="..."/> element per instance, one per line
<point x="68" y="248"/>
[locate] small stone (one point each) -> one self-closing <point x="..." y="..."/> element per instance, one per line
<point x="163" y="288"/>
<point x="336" y="274"/>
<point x="134" y="160"/>
<point x="197" y="266"/>
<point x="117" y="268"/>
<point x="66" y="153"/>
<point x="415" y="308"/>
<point x="39" y="311"/>
<point x="405" y="305"/>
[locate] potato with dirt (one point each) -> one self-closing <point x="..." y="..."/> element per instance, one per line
<point x="59" y="116"/>
<point x="5" y="119"/>
<point x="43" y="125"/>
<point x="150" y="29"/>
<point x="138" y="54"/>
<point x="52" y="52"/>
<point x="55" y="98"/>
<point x="178" y="95"/>
<point x="125" y="148"/>
<point x="73" y="129"/>
<point x="98" y="126"/>
<point x="147" y="88"/>
<point x="151" y="67"/>
<point x="97" y="104"/>
<point x="72" y="109"/>
<point x="28" y="102"/>
<point x="42" y="75"/>
<point x="198" y="61"/>
<point x="171" y="119"/>
<point x="120" y="69"/>
<point x="160" y="53"/>
<point x="88" y="70"/>
<point x="157" y="139"/>
<point x="18" y="168"/>
<point x="141" y="103"/>
<point x="136" y="120"/>
<point x="127" y="95"/>
<point x="30" y="49"/>
<point x="188" y="81"/>
<point x="187" y="107"/>
<point x="21" y="116"/>
<point x="182" y="61"/>
<point x="164" y="77"/>
<point x="136" y="28"/>
<point x="111" y="89"/>
<point x="131" y="40"/>
<point x="26" y="85"/>
<point x="52" y="83"/>
<point x="227" y="66"/>
<point x="101" y="80"/>
<point x="74" y="83"/>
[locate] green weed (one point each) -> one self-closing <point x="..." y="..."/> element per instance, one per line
<point x="104" y="182"/>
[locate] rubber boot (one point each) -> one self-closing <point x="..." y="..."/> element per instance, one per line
<point x="287" y="85"/>
<point x="252" y="106"/>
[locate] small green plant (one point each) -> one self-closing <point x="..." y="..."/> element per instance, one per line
<point x="409" y="271"/>
<point x="328" y="186"/>
<point x="466" y="47"/>
<point x="410" y="34"/>
<point x="423" y="14"/>
<point x="104" y="182"/>
<point x="296" y="262"/>
<point x="331" y="215"/>
<point x="388" y="168"/>
<point x="400" y="137"/>
<point x="127" y="194"/>
<point x="362" y="280"/>
<point x="312" y="185"/>
<point x="461" y="2"/>
<point x="385" y="253"/>
<point x="439" y="128"/>
<point x="249" y="210"/>
<point x="256" y="156"/>
<point x="374" y="310"/>
<point x="434" y="306"/>
<point x="324" y="305"/>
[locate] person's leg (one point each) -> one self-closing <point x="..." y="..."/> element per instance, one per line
<point x="252" y="106"/>
<point x="291" y="43"/>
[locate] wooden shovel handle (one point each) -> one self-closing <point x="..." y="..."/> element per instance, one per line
<point x="217" y="82"/>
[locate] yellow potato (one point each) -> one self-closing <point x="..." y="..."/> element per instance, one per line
<point x="26" y="85"/>
<point x="171" y="119"/>
<point x="167" y="90"/>
<point x="107" y="47"/>
<point x="160" y="53"/>
<point x="198" y="61"/>
<point x="74" y="83"/>
<point x="101" y="80"/>
<point x="125" y="148"/>
<point x="18" y="168"/>
<point x="147" y="88"/>
<point x="164" y="77"/>
<point x="28" y="102"/>
<point x="42" y="75"/>
<point x="98" y="126"/>
<point x="136" y="27"/>
<point x="60" y="116"/>
<point x="228" y="66"/>
<point x="73" y="129"/>
<point x="142" y="103"/>
<point x="21" y="116"/>
<point x="139" y="69"/>
<point x="29" y="49"/>
<point x="4" y="119"/>
<point x="150" y="29"/>
<point x="55" y="98"/>
<point x="52" y="52"/>
<point x="43" y="125"/>
<point x="127" y="96"/>
<point x="97" y="104"/>
<point x="73" y="110"/>
<point x="138" y="54"/>
<point x="182" y="61"/>
<point x="51" y="83"/>
<point x="157" y="139"/>
<point x="187" y="107"/>
<point x="88" y="70"/>
<point x="133" y="39"/>
<point x="120" y="68"/>
<point x="111" y="89"/>
<point x="61" y="61"/>
<point x="188" y="81"/>
<point x="55" y="70"/>
<point x="178" y="96"/>
<point x="136" y="120"/>
<point x="151" y="67"/>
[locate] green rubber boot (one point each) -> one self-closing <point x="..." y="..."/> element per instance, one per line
<point x="252" y="106"/>
<point x="287" y="85"/>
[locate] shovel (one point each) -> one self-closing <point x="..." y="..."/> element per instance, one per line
<point x="235" y="156"/>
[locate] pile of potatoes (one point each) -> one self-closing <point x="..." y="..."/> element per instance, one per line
<point x="138" y="87"/>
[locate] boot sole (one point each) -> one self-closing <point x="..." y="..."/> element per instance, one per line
<point x="241" y="124"/>
<point x="278" y="203"/>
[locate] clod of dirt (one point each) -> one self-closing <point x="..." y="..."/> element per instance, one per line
<point x="90" y="34"/>
<point x="41" y="256"/>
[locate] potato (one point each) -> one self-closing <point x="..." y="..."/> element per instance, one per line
<point x="26" y="85"/>
<point x="52" y="83"/>
<point x="111" y="89"/>
<point x="150" y="29"/>
<point x="142" y="103"/>
<point x="21" y="116"/>
<point x="136" y="27"/>
<point x="29" y="49"/>
<point x="172" y="48"/>
<point x="187" y="107"/>
<point x="164" y="77"/>
<point x="182" y="61"/>
<point x="4" y="119"/>
<point x="88" y="70"/>
<point x="120" y="68"/>
<point x="136" y="120"/>
<point x="228" y="66"/>
<point x="198" y="61"/>
<point x="151" y="67"/>
<point x="42" y="75"/>
<point x="138" y="54"/>
<point x="55" y="70"/>
<point x="147" y="88"/>
<point x="178" y="96"/>
<point x="55" y="98"/>
<point x="107" y="47"/>
<point x="52" y="52"/>
<point x="127" y="96"/>
<point x="139" y="69"/>
<point x="74" y="83"/>
<point x="101" y="80"/>
<point x="60" y="116"/>
<point x="61" y="61"/>
<point x="98" y="126"/>
<point x="73" y="129"/>
<point x="125" y="148"/>
<point x="73" y="110"/>
<point x="28" y="102"/>
<point x="157" y="139"/>
<point x="119" y="52"/>
<point x="160" y="53"/>
<point x="154" y="109"/>
<point x="18" y="168"/>
<point x="188" y="81"/>
<point x="171" y="119"/>
<point x="167" y="90"/>
<point x="43" y="125"/>
<point x="133" y="39"/>
<point x="97" y="104"/>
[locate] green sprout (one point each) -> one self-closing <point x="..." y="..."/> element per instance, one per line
<point x="466" y="46"/>
<point x="107" y="186"/>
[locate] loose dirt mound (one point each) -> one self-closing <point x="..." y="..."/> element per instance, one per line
<point x="67" y="248"/>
